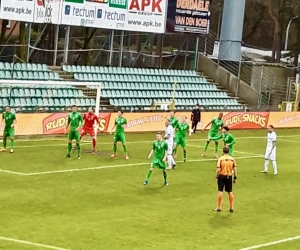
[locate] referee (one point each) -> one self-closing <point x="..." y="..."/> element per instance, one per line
<point x="225" y="167"/>
<point x="195" y="117"/>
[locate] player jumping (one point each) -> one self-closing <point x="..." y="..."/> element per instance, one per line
<point x="120" y="124"/>
<point x="215" y="123"/>
<point x="271" y="150"/>
<point x="8" y="122"/>
<point x="182" y="129"/>
<point x="228" y="139"/>
<point x="160" y="149"/>
<point x="90" y="122"/>
<point x="75" y="121"/>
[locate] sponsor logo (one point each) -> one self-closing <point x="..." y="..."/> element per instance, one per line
<point x="240" y="120"/>
<point x="146" y="7"/>
<point x="56" y="123"/>
<point x="45" y="10"/>
<point x="120" y="4"/>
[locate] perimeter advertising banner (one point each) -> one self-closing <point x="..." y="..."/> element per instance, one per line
<point x="188" y="16"/>
<point x="47" y="11"/>
<point x="104" y="14"/>
<point x="52" y="124"/>
<point x="147" y="15"/>
<point x="20" y="10"/>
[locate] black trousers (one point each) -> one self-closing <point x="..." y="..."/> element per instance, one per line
<point x="194" y="125"/>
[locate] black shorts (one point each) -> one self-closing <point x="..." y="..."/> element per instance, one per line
<point x="225" y="182"/>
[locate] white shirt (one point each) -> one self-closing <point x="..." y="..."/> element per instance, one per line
<point x="271" y="138"/>
<point x="170" y="132"/>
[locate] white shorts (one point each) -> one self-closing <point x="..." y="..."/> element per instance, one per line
<point x="170" y="147"/>
<point x="271" y="156"/>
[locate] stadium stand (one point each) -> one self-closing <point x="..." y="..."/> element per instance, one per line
<point x="134" y="88"/>
<point x="129" y="88"/>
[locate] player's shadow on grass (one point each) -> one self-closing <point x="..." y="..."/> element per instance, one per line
<point x="149" y="190"/>
<point x="223" y="219"/>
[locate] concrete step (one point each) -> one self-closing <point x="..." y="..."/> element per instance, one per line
<point x="55" y="68"/>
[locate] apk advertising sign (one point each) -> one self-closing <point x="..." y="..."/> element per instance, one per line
<point x="188" y="16"/>
<point x="20" y="10"/>
<point x="104" y="14"/>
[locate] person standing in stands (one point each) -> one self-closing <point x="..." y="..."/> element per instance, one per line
<point x="195" y="117"/>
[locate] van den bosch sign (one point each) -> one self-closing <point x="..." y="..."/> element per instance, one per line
<point x="188" y="16"/>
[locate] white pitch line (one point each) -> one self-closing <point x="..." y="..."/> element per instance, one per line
<point x="241" y="152"/>
<point x="121" y="165"/>
<point x="290" y="141"/>
<point x="11" y="172"/>
<point x="271" y="243"/>
<point x="32" y="243"/>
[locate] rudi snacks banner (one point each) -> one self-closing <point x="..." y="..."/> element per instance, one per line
<point x="53" y="124"/>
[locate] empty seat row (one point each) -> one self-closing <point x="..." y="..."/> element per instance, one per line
<point x="128" y="71"/>
<point x="136" y="78"/>
<point x="24" y="92"/>
<point x="24" y="75"/>
<point x="24" y="67"/>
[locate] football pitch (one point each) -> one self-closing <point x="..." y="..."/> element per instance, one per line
<point x="51" y="202"/>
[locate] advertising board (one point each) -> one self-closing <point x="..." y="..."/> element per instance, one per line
<point x="19" y="10"/>
<point x="110" y="14"/>
<point x="147" y="15"/>
<point x="47" y="11"/>
<point x="53" y="124"/>
<point x="188" y="16"/>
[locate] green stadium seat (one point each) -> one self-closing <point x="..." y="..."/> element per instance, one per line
<point x="7" y="66"/>
<point x="45" y="68"/>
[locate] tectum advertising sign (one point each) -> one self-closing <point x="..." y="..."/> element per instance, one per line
<point x="131" y="15"/>
<point x="147" y="15"/>
<point x="20" y="10"/>
<point x="47" y="11"/>
<point x="190" y="16"/>
<point x="110" y="14"/>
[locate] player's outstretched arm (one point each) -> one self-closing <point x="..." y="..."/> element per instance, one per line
<point x="217" y="138"/>
<point x="208" y="124"/>
<point x="150" y="154"/>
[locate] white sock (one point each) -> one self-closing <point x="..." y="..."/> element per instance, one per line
<point x="266" y="165"/>
<point x="274" y="163"/>
<point x="169" y="157"/>
<point x="173" y="161"/>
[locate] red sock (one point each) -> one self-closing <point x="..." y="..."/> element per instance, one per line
<point x="94" y="143"/>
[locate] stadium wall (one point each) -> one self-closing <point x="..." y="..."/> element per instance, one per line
<point x="52" y="124"/>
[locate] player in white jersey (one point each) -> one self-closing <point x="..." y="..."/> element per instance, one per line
<point x="271" y="150"/>
<point x="169" y="138"/>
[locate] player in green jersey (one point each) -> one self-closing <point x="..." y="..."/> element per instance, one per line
<point x="119" y="135"/>
<point x="160" y="150"/>
<point x="228" y="139"/>
<point x="9" y="120"/>
<point x="75" y="121"/>
<point x="182" y="128"/>
<point x="215" y="123"/>
<point x="173" y="119"/>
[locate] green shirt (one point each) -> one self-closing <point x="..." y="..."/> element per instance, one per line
<point x="160" y="148"/>
<point x="215" y="125"/>
<point x="9" y="119"/>
<point x="173" y="122"/>
<point x="119" y="122"/>
<point x="182" y="129"/>
<point x="75" y="120"/>
<point x="227" y="138"/>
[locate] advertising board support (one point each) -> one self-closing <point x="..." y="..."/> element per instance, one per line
<point x="55" y="44"/>
<point x="28" y="37"/>
<point x="66" y="44"/>
<point x="239" y="77"/>
<point x="121" y="48"/>
<point x="186" y="54"/>
<point x="111" y="47"/>
<point x="195" y="67"/>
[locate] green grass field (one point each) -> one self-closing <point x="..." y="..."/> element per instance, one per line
<point x="100" y="203"/>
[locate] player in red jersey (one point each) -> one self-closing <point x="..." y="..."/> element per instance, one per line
<point x="90" y="121"/>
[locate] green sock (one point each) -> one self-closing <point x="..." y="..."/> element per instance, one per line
<point x="125" y="149"/>
<point x="206" y="146"/>
<point x="4" y="143"/>
<point x="115" y="148"/>
<point x="165" y="175"/>
<point x="184" y="154"/>
<point x="12" y="143"/>
<point x="149" y="175"/>
<point x="69" y="148"/>
<point x="78" y="148"/>
<point x="216" y="147"/>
